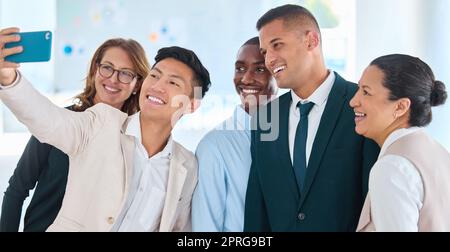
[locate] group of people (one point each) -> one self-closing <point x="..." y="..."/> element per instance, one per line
<point x="329" y="155"/>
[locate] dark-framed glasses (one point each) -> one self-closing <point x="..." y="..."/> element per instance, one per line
<point x="124" y="76"/>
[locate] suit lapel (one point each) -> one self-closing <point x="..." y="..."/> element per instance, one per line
<point x="330" y="116"/>
<point x="283" y="143"/>
<point x="127" y="146"/>
<point x="177" y="177"/>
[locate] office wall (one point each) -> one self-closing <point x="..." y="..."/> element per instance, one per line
<point x="415" y="27"/>
<point x="436" y="49"/>
<point x="38" y="15"/>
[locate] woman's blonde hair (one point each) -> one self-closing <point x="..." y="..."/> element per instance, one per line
<point x="140" y="64"/>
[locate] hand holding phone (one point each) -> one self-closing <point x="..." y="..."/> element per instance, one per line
<point x="36" y="47"/>
<point x="8" y="69"/>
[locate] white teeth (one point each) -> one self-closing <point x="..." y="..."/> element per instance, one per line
<point x="155" y="99"/>
<point x="111" y="89"/>
<point x="360" y="114"/>
<point x="279" y="69"/>
<point x="249" y="91"/>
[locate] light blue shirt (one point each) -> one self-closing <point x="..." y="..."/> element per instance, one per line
<point x="224" y="161"/>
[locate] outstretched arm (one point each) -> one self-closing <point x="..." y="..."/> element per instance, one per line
<point x="67" y="130"/>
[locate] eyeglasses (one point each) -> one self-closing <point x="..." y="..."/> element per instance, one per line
<point x="124" y="76"/>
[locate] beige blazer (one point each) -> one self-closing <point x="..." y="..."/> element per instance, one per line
<point x="101" y="162"/>
<point x="432" y="161"/>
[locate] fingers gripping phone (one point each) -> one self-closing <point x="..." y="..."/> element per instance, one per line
<point x="37" y="47"/>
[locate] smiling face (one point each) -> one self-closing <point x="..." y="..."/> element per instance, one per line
<point x="252" y="80"/>
<point x="375" y="114"/>
<point x="166" y="90"/>
<point x="286" y="53"/>
<point x="110" y="90"/>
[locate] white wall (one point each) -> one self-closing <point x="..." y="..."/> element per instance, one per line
<point x="385" y="27"/>
<point x="416" y="27"/>
<point x="437" y="53"/>
<point x="37" y="15"/>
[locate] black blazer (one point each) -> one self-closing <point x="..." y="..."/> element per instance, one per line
<point x="40" y="164"/>
<point x="336" y="177"/>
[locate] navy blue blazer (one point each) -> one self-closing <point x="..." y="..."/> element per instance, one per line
<point x="336" y="179"/>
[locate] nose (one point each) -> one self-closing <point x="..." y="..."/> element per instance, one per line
<point x="270" y="59"/>
<point x="248" y="78"/>
<point x="354" y="102"/>
<point x="158" y="86"/>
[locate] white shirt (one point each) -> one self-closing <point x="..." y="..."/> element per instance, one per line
<point x="144" y="204"/>
<point x="319" y="98"/>
<point x="396" y="190"/>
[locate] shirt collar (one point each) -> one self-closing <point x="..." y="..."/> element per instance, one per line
<point x="394" y="136"/>
<point x="320" y="95"/>
<point x="134" y="129"/>
<point x="134" y="126"/>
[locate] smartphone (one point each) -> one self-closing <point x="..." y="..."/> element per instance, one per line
<point x="37" y="47"/>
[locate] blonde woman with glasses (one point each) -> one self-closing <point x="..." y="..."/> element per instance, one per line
<point x="115" y="76"/>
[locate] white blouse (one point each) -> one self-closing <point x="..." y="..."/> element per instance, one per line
<point x="396" y="190"/>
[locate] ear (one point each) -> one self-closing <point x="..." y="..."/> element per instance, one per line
<point x="312" y="39"/>
<point x="402" y="107"/>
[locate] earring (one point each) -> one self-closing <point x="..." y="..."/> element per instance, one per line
<point x="134" y="93"/>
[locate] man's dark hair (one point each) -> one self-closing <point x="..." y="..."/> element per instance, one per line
<point x="252" y="41"/>
<point x="289" y="13"/>
<point x="189" y="58"/>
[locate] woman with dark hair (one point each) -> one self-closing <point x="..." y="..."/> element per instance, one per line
<point x="115" y="77"/>
<point x="409" y="184"/>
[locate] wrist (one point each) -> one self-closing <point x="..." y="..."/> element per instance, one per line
<point x="7" y="77"/>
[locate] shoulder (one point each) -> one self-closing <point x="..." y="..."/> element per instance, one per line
<point x="107" y="113"/>
<point x="209" y="146"/>
<point x="283" y="99"/>
<point x="391" y="169"/>
<point x="393" y="178"/>
<point x="275" y="106"/>
<point x="102" y="107"/>
<point x="226" y="135"/>
<point x="182" y="153"/>
<point x="348" y="86"/>
<point x="214" y="136"/>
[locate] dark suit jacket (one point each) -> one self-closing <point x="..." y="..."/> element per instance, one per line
<point x="46" y="168"/>
<point x="336" y="176"/>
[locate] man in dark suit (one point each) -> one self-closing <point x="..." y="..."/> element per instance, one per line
<point x="312" y="176"/>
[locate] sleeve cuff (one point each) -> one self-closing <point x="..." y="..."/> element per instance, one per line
<point x="16" y="81"/>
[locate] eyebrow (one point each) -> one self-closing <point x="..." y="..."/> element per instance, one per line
<point x="262" y="50"/>
<point x="254" y="63"/>
<point x="170" y="75"/>
<point x="125" y="68"/>
<point x="274" y="40"/>
<point x="364" y="86"/>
